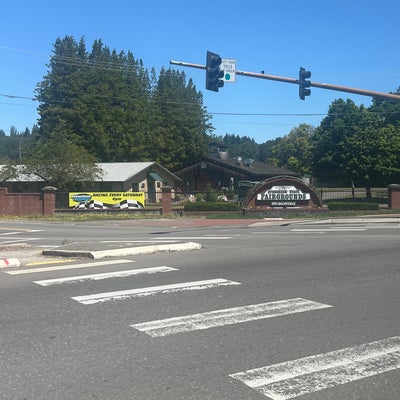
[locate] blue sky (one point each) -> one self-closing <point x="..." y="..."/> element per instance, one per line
<point x="351" y="43"/>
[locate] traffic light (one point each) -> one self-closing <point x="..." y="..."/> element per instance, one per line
<point x="304" y="84"/>
<point x="213" y="72"/>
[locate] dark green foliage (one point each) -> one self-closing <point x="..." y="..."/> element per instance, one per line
<point x="293" y="151"/>
<point x="210" y="206"/>
<point x="61" y="162"/>
<point x="351" y="205"/>
<point x="16" y="145"/>
<point x="179" y="124"/>
<point x="355" y="145"/>
<point x="244" y="146"/>
<point x="110" y="105"/>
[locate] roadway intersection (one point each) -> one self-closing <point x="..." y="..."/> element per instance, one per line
<point x="261" y="311"/>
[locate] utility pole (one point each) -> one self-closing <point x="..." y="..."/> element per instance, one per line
<point x="320" y="85"/>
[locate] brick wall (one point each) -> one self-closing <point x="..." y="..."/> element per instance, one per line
<point x="166" y="200"/>
<point x="28" y="203"/>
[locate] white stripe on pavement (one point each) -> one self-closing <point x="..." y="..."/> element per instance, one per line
<point x="137" y="241"/>
<point x="18" y="240"/>
<point x="69" y="266"/>
<point x="177" y="287"/>
<point x="313" y="230"/>
<point x="294" y="378"/>
<point x="227" y="316"/>
<point x="169" y="239"/>
<point x="107" y="275"/>
<point x="200" y="237"/>
<point x="19" y="232"/>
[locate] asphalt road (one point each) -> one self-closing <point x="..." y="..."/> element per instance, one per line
<point x="262" y="311"/>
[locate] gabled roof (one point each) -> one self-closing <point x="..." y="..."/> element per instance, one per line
<point x="122" y="171"/>
<point x="112" y="172"/>
<point x="21" y="176"/>
<point x="254" y="167"/>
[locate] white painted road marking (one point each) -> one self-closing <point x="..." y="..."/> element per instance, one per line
<point x="313" y="230"/>
<point x="205" y="237"/>
<point x="107" y="275"/>
<point x="169" y="239"/>
<point x="177" y="287"/>
<point x="69" y="266"/>
<point x="19" y="240"/>
<point x="138" y="241"/>
<point x="295" y="378"/>
<point x="227" y="316"/>
<point x="18" y="231"/>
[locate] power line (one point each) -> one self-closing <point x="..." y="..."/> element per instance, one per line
<point x="216" y="113"/>
<point x="270" y="114"/>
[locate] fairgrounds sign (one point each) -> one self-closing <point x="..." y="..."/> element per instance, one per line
<point x="282" y="192"/>
<point x="283" y="196"/>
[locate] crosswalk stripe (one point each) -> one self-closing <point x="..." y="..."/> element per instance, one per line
<point x="227" y="316"/>
<point x="106" y="275"/>
<point x="294" y="378"/>
<point x="177" y="287"/>
<point x="69" y="266"/>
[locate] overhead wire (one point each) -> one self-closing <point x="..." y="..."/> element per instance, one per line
<point x="134" y="66"/>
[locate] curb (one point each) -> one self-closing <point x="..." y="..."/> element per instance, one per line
<point x="331" y="221"/>
<point x="9" y="262"/>
<point x="355" y="220"/>
<point x="129" y="251"/>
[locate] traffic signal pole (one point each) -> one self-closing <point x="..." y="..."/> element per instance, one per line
<point x="284" y="79"/>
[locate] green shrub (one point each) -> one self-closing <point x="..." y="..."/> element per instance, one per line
<point x="210" y="206"/>
<point x="353" y="205"/>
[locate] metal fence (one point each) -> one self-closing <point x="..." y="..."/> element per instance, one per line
<point x="377" y="194"/>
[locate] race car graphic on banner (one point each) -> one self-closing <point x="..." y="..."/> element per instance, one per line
<point x="106" y="200"/>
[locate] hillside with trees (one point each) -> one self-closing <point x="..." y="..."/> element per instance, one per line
<point x="100" y="105"/>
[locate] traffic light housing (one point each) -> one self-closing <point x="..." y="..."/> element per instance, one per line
<point x="213" y="72"/>
<point x="304" y="84"/>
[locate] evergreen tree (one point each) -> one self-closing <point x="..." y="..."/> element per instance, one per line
<point x="109" y="104"/>
<point x="241" y="146"/>
<point x="179" y="125"/>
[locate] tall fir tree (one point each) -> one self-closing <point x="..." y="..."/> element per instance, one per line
<point x="116" y="110"/>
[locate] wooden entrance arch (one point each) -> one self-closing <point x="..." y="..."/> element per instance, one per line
<point x="282" y="192"/>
